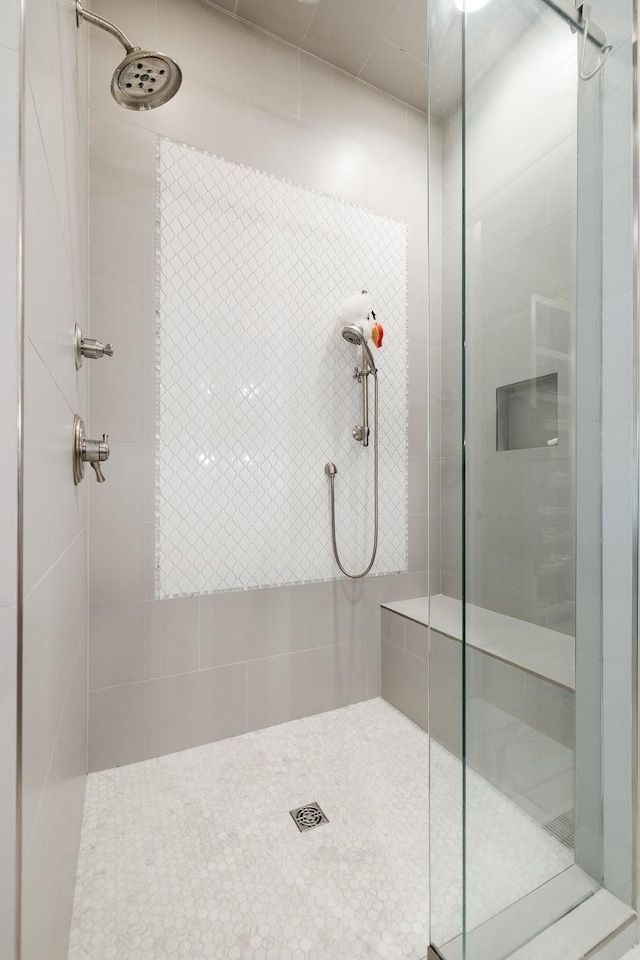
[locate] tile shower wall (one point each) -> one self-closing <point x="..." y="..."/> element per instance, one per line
<point x="55" y="511"/>
<point x="520" y="206"/>
<point x="168" y="674"/>
<point x="9" y="365"/>
<point x="255" y="384"/>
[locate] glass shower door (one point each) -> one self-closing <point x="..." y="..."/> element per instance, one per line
<point x="515" y="654"/>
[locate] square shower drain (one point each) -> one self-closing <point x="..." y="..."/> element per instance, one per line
<point x="308" y="817"/>
<point x="563" y="828"/>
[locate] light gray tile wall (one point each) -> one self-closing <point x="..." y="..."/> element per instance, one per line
<point x="446" y="366"/>
<point x="296" y="649"/>
<point x="9" y="365"/>
<point x="55" y="114"/>
<point x="168" y="674"/>
<point x="405" y="668"/>
<point x="424" y="412"/>
<point x="520" y="205"/>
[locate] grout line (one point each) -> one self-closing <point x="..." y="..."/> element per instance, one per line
<point x="51" y="183"/>
<point x="219" y="666"/>
<point x="51" y="375"/>
<point x="127" y="283"/>
<point x="313" y="16"/>
<point x="382" y="37"/>
<point x="150" y="207"/>
<point x="66" y="550"/>
<point x="312" y="56"/>
<point x="61" y="719"/>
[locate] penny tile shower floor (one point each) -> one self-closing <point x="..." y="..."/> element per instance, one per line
<point x="196" y="855"/>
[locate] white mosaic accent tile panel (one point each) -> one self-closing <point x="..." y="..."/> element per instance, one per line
<point x="255" y="386"/>
<point x="195" y="854"/>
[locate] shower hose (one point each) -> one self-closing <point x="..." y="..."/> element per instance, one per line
<point x="332" y="478"/>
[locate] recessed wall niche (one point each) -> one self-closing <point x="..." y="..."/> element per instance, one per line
<point x="527" y="414"/>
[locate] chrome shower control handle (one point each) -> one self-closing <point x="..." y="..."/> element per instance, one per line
<point x="95" y="350"/>
<point x="94" y="452"/>
<point x="86" y="347"/>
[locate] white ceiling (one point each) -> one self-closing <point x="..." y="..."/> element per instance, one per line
<point x="384" y="42"/>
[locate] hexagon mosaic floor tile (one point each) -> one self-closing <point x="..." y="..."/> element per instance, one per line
<point x="196" y="854"/>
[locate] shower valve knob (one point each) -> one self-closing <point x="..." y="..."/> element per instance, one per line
<point x="93" y="349"/>
<point x="94" y="452"/>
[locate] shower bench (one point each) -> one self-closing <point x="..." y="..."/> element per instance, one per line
<point x="520" y="694"/>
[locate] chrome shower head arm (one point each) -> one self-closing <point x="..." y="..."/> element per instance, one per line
<point x="93" y="18"/>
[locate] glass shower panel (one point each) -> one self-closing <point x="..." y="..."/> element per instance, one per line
<point x="515" y="628"/>
<point x="525" y="208"/>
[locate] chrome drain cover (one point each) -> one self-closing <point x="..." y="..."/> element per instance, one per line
<point x="308" y="817"/>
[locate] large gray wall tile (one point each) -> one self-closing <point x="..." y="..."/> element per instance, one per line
<point x="137" y="721"/>
<point x="204" y="706"/>
<point x="121" y="562"/>
<point x="300" y="684"/>
<point x="374" y="655"/>
<point x="126" y="724"/>
<point x="50" y="857"/>
<point x="249" y="624"/>
<point x="405" y="683"/>
<point x="55" y="630"/>
<point x="142" y="641"/>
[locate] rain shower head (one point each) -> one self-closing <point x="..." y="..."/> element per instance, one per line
<point x="353" y="333"/>
<point x="145" y="79"/>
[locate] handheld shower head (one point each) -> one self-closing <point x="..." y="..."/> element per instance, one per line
<point x="353" y="333"/>
<point x="145" y="79"/>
